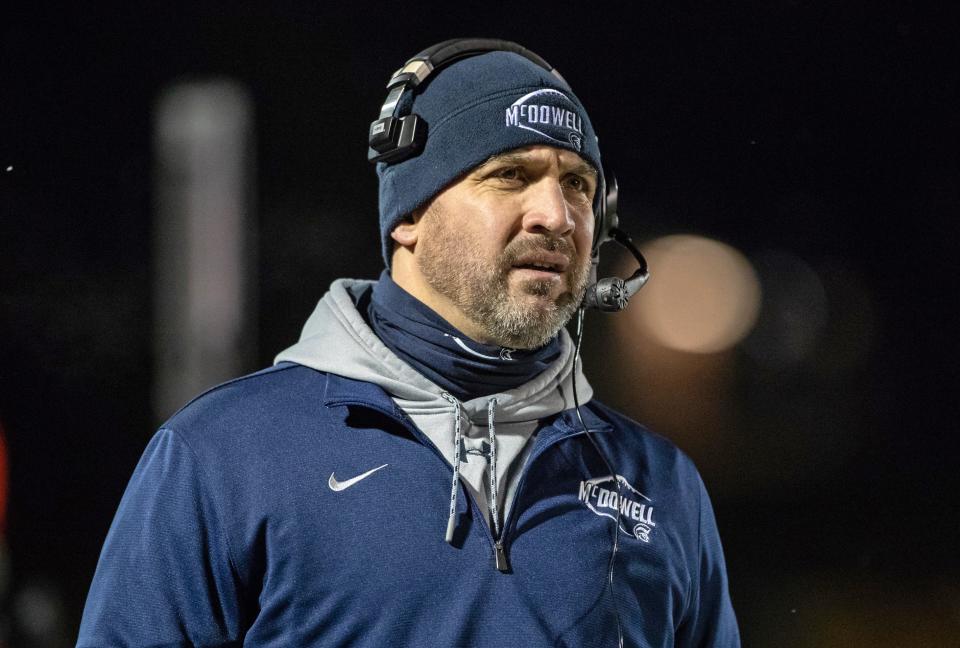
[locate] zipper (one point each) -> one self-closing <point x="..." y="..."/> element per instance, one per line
<point x="535" y="454"/>
<point x="500" y="559"/>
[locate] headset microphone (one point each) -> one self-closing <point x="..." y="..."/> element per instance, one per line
<point x="611" y="294"/>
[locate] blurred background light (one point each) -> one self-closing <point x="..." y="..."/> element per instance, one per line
<point x="40" y="614"/>
<point x="204" y="264"/>
<point x="676" y="365"/>
<point x="704" y="295"/>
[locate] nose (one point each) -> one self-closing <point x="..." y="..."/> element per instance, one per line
<point x="547" y="210"/>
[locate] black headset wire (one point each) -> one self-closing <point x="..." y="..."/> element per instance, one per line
<point x="613" y="473"/>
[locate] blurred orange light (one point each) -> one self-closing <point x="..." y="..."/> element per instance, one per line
<point x="703" y="295"/>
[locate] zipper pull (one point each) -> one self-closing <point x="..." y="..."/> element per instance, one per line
<point x="500" y="557"/>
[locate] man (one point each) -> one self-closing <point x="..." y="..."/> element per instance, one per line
<point x="416" y="470"/>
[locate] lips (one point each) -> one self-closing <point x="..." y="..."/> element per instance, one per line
<point x="543" y="261"/>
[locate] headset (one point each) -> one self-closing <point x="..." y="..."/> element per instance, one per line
<point x="395" y="136"/>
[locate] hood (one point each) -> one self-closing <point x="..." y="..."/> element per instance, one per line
<point x="336" y="339"/>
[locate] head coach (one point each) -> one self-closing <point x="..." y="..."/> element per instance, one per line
<point x="426" y="466"/>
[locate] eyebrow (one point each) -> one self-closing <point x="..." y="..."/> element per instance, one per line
<point x="519" y="158"/>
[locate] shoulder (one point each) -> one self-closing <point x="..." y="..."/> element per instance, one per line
<point x="637" y="440"/>
<point x="656" y="467"/>
<point x="252" y="406"/>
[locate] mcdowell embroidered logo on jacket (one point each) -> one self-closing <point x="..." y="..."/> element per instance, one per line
<point x="550" y="113"/>
<point x="635" y="509"/>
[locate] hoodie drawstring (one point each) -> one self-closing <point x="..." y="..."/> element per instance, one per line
<point x="492" y="458"/>
<point x="491" y="410"/>
<point x="454" y="490"/>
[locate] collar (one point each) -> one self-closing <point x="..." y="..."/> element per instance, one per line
<point x="345" y="392"/>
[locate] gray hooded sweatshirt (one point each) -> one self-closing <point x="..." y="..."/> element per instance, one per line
<point x="494" y="431"/>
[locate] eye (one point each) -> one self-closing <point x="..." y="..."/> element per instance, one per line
<point x="579" y="184"/>
<point x="509" y="174"/>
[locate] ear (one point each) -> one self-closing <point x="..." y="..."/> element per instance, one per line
<point x="406" y="231"/>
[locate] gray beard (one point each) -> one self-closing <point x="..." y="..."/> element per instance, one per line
<point x="481" y="290"/>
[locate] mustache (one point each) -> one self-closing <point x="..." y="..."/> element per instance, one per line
<point x="537" y="243"/>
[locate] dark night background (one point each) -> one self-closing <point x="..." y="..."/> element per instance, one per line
<point x="829" y="130"/>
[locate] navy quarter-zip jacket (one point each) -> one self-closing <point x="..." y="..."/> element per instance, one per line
<point x="243" y="524"/>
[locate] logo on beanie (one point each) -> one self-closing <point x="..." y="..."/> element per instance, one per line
<point x="550" y="113"/>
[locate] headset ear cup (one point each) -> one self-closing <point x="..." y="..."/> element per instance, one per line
<point x="610" y="218"/>
<point x="606" y="218"/>
<point x="600" y="219"/>
<point x="599" y="230"/>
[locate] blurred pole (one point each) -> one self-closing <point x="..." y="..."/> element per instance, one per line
<point x="204" y="311"/>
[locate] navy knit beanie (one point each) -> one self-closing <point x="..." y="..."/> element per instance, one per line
<point x="474" y="108"/>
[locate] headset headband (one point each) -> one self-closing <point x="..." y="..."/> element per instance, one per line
<point x="418" y="67"/>
<point x="394" y="138"/>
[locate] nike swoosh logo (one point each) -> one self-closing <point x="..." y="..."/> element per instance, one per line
<point x="344" y="485"/>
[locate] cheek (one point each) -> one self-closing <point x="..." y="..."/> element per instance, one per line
<point x="584" y="233"/>
<point x="492" y="232"/>
<point x="481" y="239"/>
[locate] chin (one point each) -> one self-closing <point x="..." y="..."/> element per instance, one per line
<point x="542" y="290"/>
